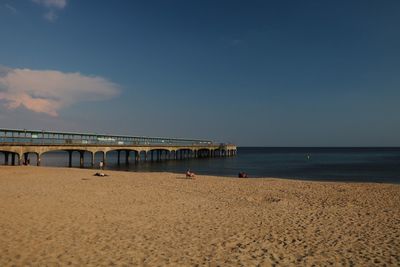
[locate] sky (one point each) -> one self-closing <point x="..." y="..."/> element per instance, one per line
<point x="254" y="73"/>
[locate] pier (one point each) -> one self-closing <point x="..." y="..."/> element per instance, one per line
<point x="18" y="145"/>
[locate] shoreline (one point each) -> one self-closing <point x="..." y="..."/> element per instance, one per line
<point x="67" y="216"/>
<point x="212" y="175"/>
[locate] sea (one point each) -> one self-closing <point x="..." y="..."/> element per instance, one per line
<point x="377" y="165"/>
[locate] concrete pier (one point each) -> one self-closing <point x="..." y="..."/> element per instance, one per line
<point x="18" y="144"/>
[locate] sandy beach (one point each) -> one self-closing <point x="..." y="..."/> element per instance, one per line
<point x="60" y="216"/>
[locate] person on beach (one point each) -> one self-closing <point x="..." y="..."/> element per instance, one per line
<point x="189" y="174"/>
<point x="101" y="165"/>
<point x="242" y="175"/>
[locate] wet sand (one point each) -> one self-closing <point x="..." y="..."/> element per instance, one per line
<point x="60" y="216"/>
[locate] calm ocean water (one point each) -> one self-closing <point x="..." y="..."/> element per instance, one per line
<point x="326" y="164"/>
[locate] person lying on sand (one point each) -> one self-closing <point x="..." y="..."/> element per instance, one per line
<point x="189" y="174"/>
<point x="101" y="174"/>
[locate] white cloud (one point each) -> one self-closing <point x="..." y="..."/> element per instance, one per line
<point x="11" y="8"/>
<point x="51" y="15"/>
<point x="51" y="5"/>
<point x="48" y="91"/>
<point x="59" y="4"/>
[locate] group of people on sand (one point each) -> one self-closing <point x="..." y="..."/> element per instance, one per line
<point x="190" y="174"/>
<point x="101" y="167"/>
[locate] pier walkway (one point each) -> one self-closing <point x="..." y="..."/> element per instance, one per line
<point x="17" y="145"/>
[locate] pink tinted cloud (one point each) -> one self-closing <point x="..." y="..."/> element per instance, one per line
<point x="49" y="91"/>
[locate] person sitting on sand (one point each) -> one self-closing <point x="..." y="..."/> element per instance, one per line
<point x="189" y="174"/>
<point x="242" y="175"/>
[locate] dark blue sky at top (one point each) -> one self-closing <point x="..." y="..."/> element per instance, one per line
<point x="261" y="73"/>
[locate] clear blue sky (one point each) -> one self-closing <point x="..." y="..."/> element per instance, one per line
<point x="259" y="73"/>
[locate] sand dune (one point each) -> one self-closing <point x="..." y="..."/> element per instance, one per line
<point x="58" y="216"/>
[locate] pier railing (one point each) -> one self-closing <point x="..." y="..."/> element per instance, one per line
<point x="29" y="137"/>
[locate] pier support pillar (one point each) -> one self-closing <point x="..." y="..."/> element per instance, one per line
<point x="92" y="160"/>
<point x="81" y="158"/>
<point x="26" y="158"/>
<point x="104" y="159"/>
<point x="137" y="156"/>
<point x="38" y="159"/>
<point x="119" y="157"/>
<point x="6" y="158"/>
<point x="70" y="158"/>
<point x="13" y="159"/>
<point x="127" y="157"/>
